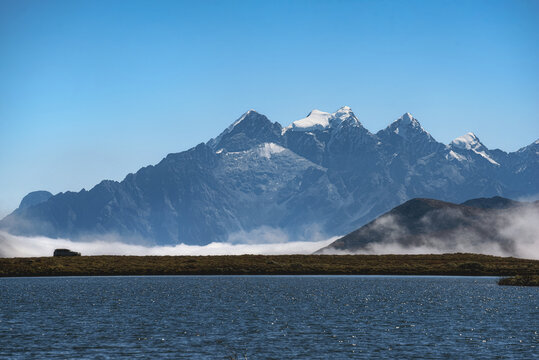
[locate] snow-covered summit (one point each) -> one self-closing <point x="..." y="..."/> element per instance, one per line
<point x="467" y="141"/>
<point x="343" y="111"/>
<point x="320" y="120"/>
<point x="406" y="127"/>
<point x="344" y="115"/>
<point x="471" y="142"/>
<point x="407" y="120"/>
<point x="316" y="120"/>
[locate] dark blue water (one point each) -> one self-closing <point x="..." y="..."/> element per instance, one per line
<point x="306" y="317"/>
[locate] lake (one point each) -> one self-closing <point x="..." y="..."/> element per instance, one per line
<point x="267" y="317"/>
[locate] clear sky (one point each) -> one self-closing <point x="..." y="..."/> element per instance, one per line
<point x="93" y="90"/>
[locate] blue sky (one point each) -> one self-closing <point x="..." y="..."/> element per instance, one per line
<point x="93" y="90"/>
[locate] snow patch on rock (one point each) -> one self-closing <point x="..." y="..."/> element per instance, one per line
<point x="268" y="149"/>
<point x="454" y="155"/>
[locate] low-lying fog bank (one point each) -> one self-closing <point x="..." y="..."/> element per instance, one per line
<point x="21" y="246"/>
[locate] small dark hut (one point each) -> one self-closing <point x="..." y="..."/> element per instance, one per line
<point x="65" y="252"/>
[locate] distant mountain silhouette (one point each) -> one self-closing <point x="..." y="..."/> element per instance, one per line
<point x="440" y="224"/>
<point x="325" y="173"/>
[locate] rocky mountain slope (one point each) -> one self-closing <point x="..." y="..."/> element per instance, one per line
<point x="323" y="175"/>
<point x="484" y="224"/>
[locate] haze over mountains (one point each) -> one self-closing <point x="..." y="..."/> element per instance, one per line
<point x="321" y="176"/>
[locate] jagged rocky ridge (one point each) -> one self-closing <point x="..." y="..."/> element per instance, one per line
<point x="322" y="175"/>
<point x="484" y="224"/>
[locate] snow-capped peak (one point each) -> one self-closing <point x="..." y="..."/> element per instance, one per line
<point x="406" y="126"/>
<point x="320" y="120"/>
<point x="408" y="119"/>
<point x="471" y="142"/>
<point x="318" y="113"/>
<point x="467" y="141"/>
<point x="343" y="115"/>
<point x="316" y="120"/>
<point x="344" y="109"/>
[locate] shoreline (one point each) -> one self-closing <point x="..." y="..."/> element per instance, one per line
<point x="520" y="280"/>
<point x="107" y="265"/>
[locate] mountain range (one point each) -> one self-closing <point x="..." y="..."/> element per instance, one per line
<point x="322" y="175"/>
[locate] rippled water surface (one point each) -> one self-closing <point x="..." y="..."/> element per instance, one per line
<point x="267" y="317"/>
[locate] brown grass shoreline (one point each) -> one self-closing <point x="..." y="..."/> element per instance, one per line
<point x="446" y="264"/>
<point x="520" y="280"/>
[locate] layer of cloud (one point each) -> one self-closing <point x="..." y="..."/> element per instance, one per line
<point x="21" y="246"/>
<point x="516" y="234"/>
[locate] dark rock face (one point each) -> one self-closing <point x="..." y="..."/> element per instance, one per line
<point x="34" y="198"/>
<point x="248" y="131"/>
<point x="423" y="222"/>
<point x="328" y="178"/>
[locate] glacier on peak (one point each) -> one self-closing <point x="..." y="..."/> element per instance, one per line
<point x="321" y="120"/>
<point x="316" y="120"/>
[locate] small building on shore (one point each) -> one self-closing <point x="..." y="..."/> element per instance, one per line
<point x="65" y="252"/>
